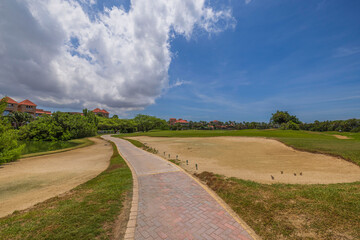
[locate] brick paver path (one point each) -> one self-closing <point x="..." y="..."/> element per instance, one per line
<point x="172" y="205"/>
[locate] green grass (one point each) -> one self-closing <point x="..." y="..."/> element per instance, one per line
<point x="284" y="211"/>
<point x="348" y="149"/>
<point x="135" y="143"/>
<point x="141" y="145"/>
<point x="87" y="212"/>
<point x="39" y="148"/>
<point x="45" y="146"/>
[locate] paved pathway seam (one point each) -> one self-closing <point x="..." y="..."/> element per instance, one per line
<point x="171" y="204"/>
<point x="243" y="224"/>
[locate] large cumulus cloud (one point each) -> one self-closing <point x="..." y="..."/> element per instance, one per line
<point x="55" y="53"/>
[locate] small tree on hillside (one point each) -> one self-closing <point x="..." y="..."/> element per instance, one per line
<point x="281" y="117"/>
<point x="20" y="118"/>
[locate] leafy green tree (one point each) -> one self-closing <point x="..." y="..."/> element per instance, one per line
<point x="10" y="149"/>
<point x="290" y="126"/>
<point x="146" y="123"/>
<point x="20" y="118"/>
<point x="281" y="117"/>
<point x="60" y="126"/>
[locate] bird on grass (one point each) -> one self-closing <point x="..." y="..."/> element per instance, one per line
<point x="300" y="173"/>
<point x="272" y="177"/>
<point x="294" y="174"/>
<point x="281" y="172"/>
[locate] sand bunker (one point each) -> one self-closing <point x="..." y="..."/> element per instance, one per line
<point x="341" y="137"/>
<point x="255" y="159"/>
<point x="33" y="180"/>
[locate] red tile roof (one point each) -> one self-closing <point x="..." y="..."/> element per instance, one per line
<point x="181" y="121"/>
<point x="174" y="120"/>
<point x="96" y="110"/>
<point x="10" y="100"/>
<point x="41" y="111"/>
<point x="28" y="103"/>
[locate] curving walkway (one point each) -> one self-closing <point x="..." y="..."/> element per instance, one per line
<point x="171" y="204"/>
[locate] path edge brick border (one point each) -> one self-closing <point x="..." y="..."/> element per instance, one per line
<point x="130" y="227"/>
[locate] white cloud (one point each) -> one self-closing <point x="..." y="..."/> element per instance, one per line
<point x="346" y="51"/>
<point x="179" y="83"/>
<point x="53" y="53"/>
<point x="247" y="1"/>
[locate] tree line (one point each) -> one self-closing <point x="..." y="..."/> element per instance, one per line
<point x="62" y="126"/>
<point x="280" y="120"/>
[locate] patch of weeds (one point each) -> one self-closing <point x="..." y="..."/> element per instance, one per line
<point x="142" y="145"/>
<point x="175" y="161"/>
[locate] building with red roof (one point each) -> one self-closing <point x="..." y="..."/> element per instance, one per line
<point x="12" y="105"/>
<point x="173" y="121"/>
<point x="102" y="112"/>
<point x="26" y="106"/>
<point x="40" y="112"/>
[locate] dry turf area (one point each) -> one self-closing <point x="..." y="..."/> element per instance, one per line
<point x="33" y="180"/>
<point x="252" y="158"/>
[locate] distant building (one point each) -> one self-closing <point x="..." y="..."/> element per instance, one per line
<point x="26" y="106"/>
<point x="12" y="106"/>
<point x="102" y="112"/>
<point x="30" y="107"/>
<point x="173" y="121"/>
<point x="40" y="112"/>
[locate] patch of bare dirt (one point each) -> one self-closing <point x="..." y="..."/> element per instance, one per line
<point x="119" y="227"/>
<point x="32" y="180"/>
<point x="341" y="137"/>
<point x="258" y="159"/>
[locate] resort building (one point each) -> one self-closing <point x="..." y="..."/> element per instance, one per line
<point x="25" y="106"/>
<point x="29" y="107"/>
<point x="173" y="121"/>
<point x="40" y="112"/>
<point x="102" y="112"/>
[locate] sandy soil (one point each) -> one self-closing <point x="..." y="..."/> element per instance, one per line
<point x="255" y="159"/>
<point x="32" y="180"/>
<point x="341" y="137"/>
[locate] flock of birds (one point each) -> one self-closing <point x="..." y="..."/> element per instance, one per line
<point x="282" y="172"/>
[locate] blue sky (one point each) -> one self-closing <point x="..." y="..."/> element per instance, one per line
<point x="286" y="55"/>
<point x="298" y="56"/>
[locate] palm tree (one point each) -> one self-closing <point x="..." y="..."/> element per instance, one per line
<point x="19" y="119"/>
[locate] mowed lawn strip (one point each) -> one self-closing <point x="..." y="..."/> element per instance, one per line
<point x="320" y="142"/>
<point x="37" y="147"/>
<point x="292" y="211"/>
<point x="89" y="211"/>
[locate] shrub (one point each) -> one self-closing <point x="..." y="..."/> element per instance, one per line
<point x="60" y="126"/>
<point x="10" y="149"/>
